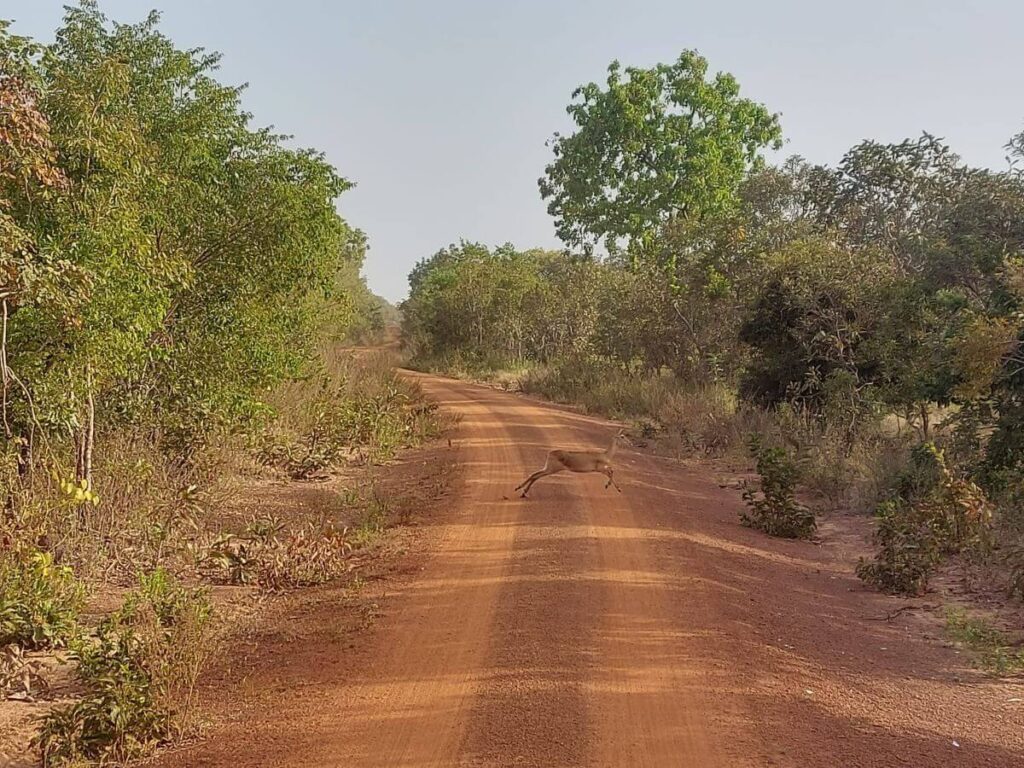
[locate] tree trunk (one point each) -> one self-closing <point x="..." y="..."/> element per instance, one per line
<point x="84" y="443"/>
<point x="90" y="438"/>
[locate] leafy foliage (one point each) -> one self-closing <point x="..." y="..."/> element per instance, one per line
<point x="39" y="600"/>
<point x="654" y="145"/>
<point x="139" y="673"/>
<point x="776" y="511"/>
<point x="166" y="267"/>
<point x="165" y="262"/>
<point x="936" y="512"/>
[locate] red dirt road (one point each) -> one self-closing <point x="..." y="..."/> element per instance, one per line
<point x="583" y="627"/>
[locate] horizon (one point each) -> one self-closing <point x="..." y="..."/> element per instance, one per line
<point x="471" y="94"/>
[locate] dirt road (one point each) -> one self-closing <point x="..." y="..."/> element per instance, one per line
<point x="589" y="628"/>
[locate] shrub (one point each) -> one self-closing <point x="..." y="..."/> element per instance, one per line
<point x="142" y="503"/>
<point x="362" y="411"/>
<point x="39" y="601"/>
<point x="908" y="548"/>
<point x="139" y="675"/>
<point x="933" y="512"/>
<point x="776" y="512"/>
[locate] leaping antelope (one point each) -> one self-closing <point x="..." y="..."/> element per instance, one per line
<point x="576" y="461"/>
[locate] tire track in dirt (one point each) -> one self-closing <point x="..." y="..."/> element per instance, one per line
<point x="540" y="645"/>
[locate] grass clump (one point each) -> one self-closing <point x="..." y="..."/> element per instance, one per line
<point x="774" y="508"/>
<point x="993" y="649"/>
<point x="139" y="674"/>
<point x="373" y="520"/>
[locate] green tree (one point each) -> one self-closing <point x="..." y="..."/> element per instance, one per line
<point x="164" y="262"/>
<point x="652" y="146"/>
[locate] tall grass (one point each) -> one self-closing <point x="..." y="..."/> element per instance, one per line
<point x="690" y="417"/>
<point x="355" y="408"/>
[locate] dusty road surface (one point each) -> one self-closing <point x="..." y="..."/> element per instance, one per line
<point x="584" y="627"/>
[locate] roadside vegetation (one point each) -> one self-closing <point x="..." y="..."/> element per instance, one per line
<point x="176" y="289"/>
<point x="990" y="648"/>
<point x="863" y="323"/>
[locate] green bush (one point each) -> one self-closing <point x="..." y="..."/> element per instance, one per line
<point x="776" y="511"/>
<point x="933" y="512"/>
<point x="139" y="674"/>
<point x="908" y="548"/>
<point x="39" y="601"/>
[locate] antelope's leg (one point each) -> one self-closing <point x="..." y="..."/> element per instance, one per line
<point x="611" y="479"/>
<point x="528" y="482"/>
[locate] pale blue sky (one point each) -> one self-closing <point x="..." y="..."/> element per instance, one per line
<point x="439" y="110"/>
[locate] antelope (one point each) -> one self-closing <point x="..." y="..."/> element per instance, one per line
<point x="576" y="461"/>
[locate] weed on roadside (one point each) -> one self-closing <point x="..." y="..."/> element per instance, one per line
<point x="139" y="674"/>
<point x="39" y="600"/>
<point x="373" y="520"/>
<point x="991" y="648"/>
<point x="273" y="559"/>
<point x="773" y="508"/>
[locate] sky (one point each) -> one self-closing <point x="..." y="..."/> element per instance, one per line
<point x="439" y="110"/>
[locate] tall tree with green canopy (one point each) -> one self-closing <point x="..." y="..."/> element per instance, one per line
<point x="652" y="146"/>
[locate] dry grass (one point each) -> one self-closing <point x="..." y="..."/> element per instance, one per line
<point x="149" y="513"/>
<point x="355" y="409"/>
<point x="684" y="418"/>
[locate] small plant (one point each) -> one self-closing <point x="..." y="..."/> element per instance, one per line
<point x="775" y="510"/>
<point x="908" y="548"/>
<point x="232" y="558"/>
<point x="39" y="600"/>
<point x="993" y="650"/>
<point x="372" y="521"/>
<point x="264" y="527"/>
<point x="276" y="560"/>
<point x="139" y="674"/>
